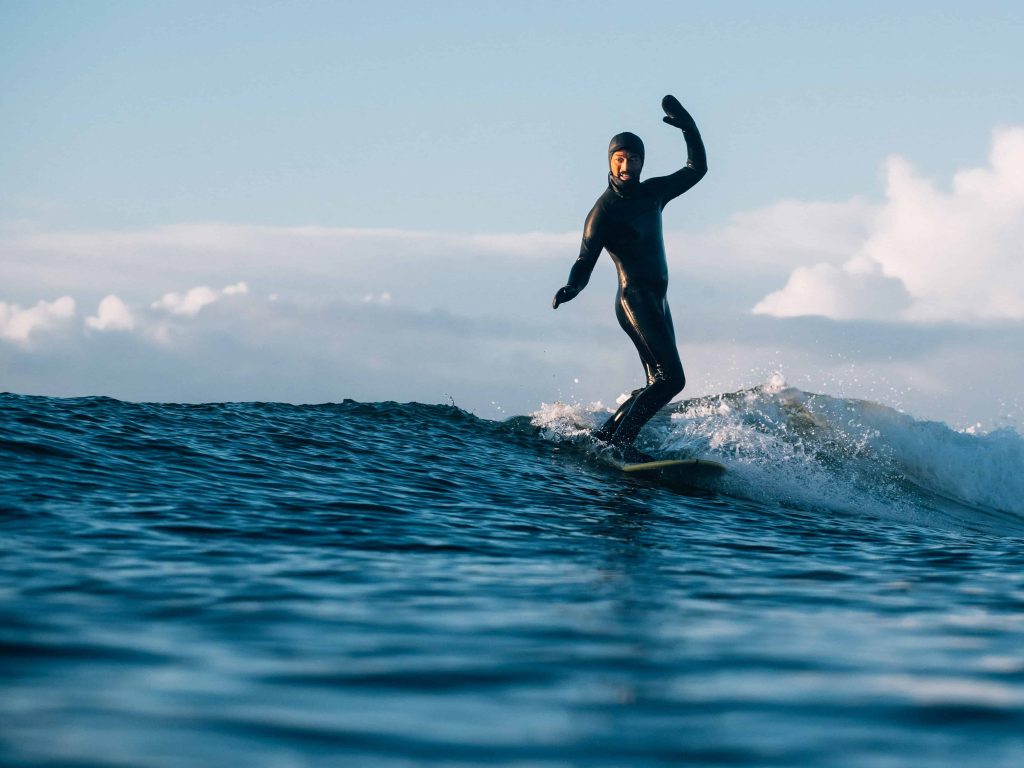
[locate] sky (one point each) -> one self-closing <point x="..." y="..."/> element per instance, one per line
<point x="315" y="201"/>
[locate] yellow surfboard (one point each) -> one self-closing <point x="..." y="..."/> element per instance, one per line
<point x="650" y="466"/>
<point x="695" y="472"/>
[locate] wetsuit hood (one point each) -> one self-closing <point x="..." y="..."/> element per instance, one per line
<point x="627" y="141"/>
<point x="631" y="143"/>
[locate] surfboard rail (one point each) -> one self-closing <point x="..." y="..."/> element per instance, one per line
<point x="653" y="466"/>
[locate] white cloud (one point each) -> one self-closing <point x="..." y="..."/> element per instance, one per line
<point x="196" y="298"/>
<point x="788" y="234"/>
<point x="17" y="324"/>
<point x="233" y="290"/>
<point x="836" y="292"/>
<point x="112" y="315"/>
<point x="189" y="304"/>
<point x="956" y="255"/>
<point x="152" y="322"/>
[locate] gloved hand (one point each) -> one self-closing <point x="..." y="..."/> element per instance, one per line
<point x="676" y="115"/>
<point x="568" y="293"/>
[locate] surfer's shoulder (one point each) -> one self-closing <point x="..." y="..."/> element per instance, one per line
<point x="600" y="206"/>
<point x="606" y="199"/>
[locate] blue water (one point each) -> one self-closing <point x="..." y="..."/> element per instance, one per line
<point x="383" y="584"/>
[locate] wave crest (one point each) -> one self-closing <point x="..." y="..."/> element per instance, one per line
<point x="812" y="450"/>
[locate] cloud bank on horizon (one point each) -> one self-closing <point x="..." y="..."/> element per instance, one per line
<point x="308" y="313"/>
<point x="929" y="255"/>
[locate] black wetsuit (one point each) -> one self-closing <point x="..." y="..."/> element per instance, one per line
<point x="626" y="221"/>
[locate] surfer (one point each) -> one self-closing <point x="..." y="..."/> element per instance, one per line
<point x="626" y="221"/>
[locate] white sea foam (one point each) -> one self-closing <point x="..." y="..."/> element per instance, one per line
<point x="812" y="450"/>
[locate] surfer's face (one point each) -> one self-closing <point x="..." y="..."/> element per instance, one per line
<point x="626" y="165"/>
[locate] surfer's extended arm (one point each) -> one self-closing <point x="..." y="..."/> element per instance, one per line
<point x="696" y="157"/>
<point x="590" y="249"/>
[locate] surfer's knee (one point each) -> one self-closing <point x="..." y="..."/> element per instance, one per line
<point x="677" y="382"/>
<point x="673" y="380"/>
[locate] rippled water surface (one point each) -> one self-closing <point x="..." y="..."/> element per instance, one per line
<point x="399" y="585"/>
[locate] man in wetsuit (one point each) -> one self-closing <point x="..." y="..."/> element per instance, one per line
<point x="626" y="221"/>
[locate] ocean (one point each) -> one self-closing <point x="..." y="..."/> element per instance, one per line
<point x="386" y="584"/>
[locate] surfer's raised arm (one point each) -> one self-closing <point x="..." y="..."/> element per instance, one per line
<point x="672" y="186"/>
<point x="590" y="249"/>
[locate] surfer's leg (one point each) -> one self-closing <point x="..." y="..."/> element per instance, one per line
<point x="648" y="402"/>
<point x="626" y="321"/>
<point x="646" y="319"/>
<point x="671" y="325"/>
<point x="608" y="429"/>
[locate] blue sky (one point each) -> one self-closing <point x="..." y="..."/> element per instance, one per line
<point x="482" y="117"/>
<point x="125" y="126"/>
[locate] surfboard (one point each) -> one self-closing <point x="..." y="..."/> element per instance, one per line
<point x="687" y="472"/>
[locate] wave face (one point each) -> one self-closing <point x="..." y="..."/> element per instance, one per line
<point x="818" y="452"/>
<point x="384" y="584"/>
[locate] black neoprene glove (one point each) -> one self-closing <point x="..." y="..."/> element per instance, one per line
<point x="676" y="115"/>
<point x="567" y="293"/>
